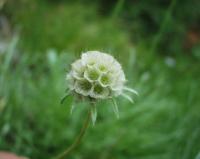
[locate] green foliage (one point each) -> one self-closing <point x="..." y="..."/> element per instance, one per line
<point x="162" y="124"/>
<point x="73" y="27"/>
<point x="145" y="20"/>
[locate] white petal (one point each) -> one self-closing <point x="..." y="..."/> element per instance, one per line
<point x="90" y="57"/>
<point x="78" y="66"/>
<point x="115" y="67"/>
<point x="78" y="69"/>
<point x="117" y="86"/>
<point x="77" y="75"/>
<point x="115" y="108"/>
<point x="70" y="81"/>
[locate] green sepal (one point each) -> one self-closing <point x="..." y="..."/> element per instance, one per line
<point x="93" y="113"/>
<point x="64" y="98"/>
<point x="115" y="107"/>
<point x="127" y="97"/>
<point x="72" y="108"/>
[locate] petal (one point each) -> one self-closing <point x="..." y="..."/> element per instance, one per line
<point x="117" y="86"/>
<point x="78" y="75"/>
<point x="78" y="66"/>
<point x="70" y="81"/>
<point x="90" y="57"/>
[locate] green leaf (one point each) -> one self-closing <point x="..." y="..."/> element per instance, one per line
<point x="93" y="113"/>
<point x="115" y="107"/>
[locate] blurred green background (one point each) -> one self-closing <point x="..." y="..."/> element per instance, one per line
<point x="158" y="44"/>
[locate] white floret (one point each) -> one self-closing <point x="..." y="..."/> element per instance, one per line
<point x="97" y="75"/>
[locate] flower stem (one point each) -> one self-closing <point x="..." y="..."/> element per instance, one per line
<point x="77" y="140"/>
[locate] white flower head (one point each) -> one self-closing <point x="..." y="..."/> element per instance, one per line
<point x="96" y="76"/>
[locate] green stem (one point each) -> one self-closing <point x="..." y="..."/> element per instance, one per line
<point x="78" y="139"/>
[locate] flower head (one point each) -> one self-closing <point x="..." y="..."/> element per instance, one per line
<point x="96" y="76"/>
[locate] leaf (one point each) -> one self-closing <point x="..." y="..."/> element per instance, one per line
<point x="93" y="113"/>
<point x="115" y="107"/>
<point x="64" y="98"/>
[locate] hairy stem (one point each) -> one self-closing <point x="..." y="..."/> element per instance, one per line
<point x="77" y="140"/>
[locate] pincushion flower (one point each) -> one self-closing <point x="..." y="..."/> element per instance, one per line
<point x="97" y="76"/>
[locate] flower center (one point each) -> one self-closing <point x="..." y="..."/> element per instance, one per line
<point x="105" y="79"/>
<point x="98" y="89"/>
<point x="84" y="85"/>
<point x="102" y="68"/>
<point x="93" y="74"/>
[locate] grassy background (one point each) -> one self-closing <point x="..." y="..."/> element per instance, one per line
<point x="46" y="36"/>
